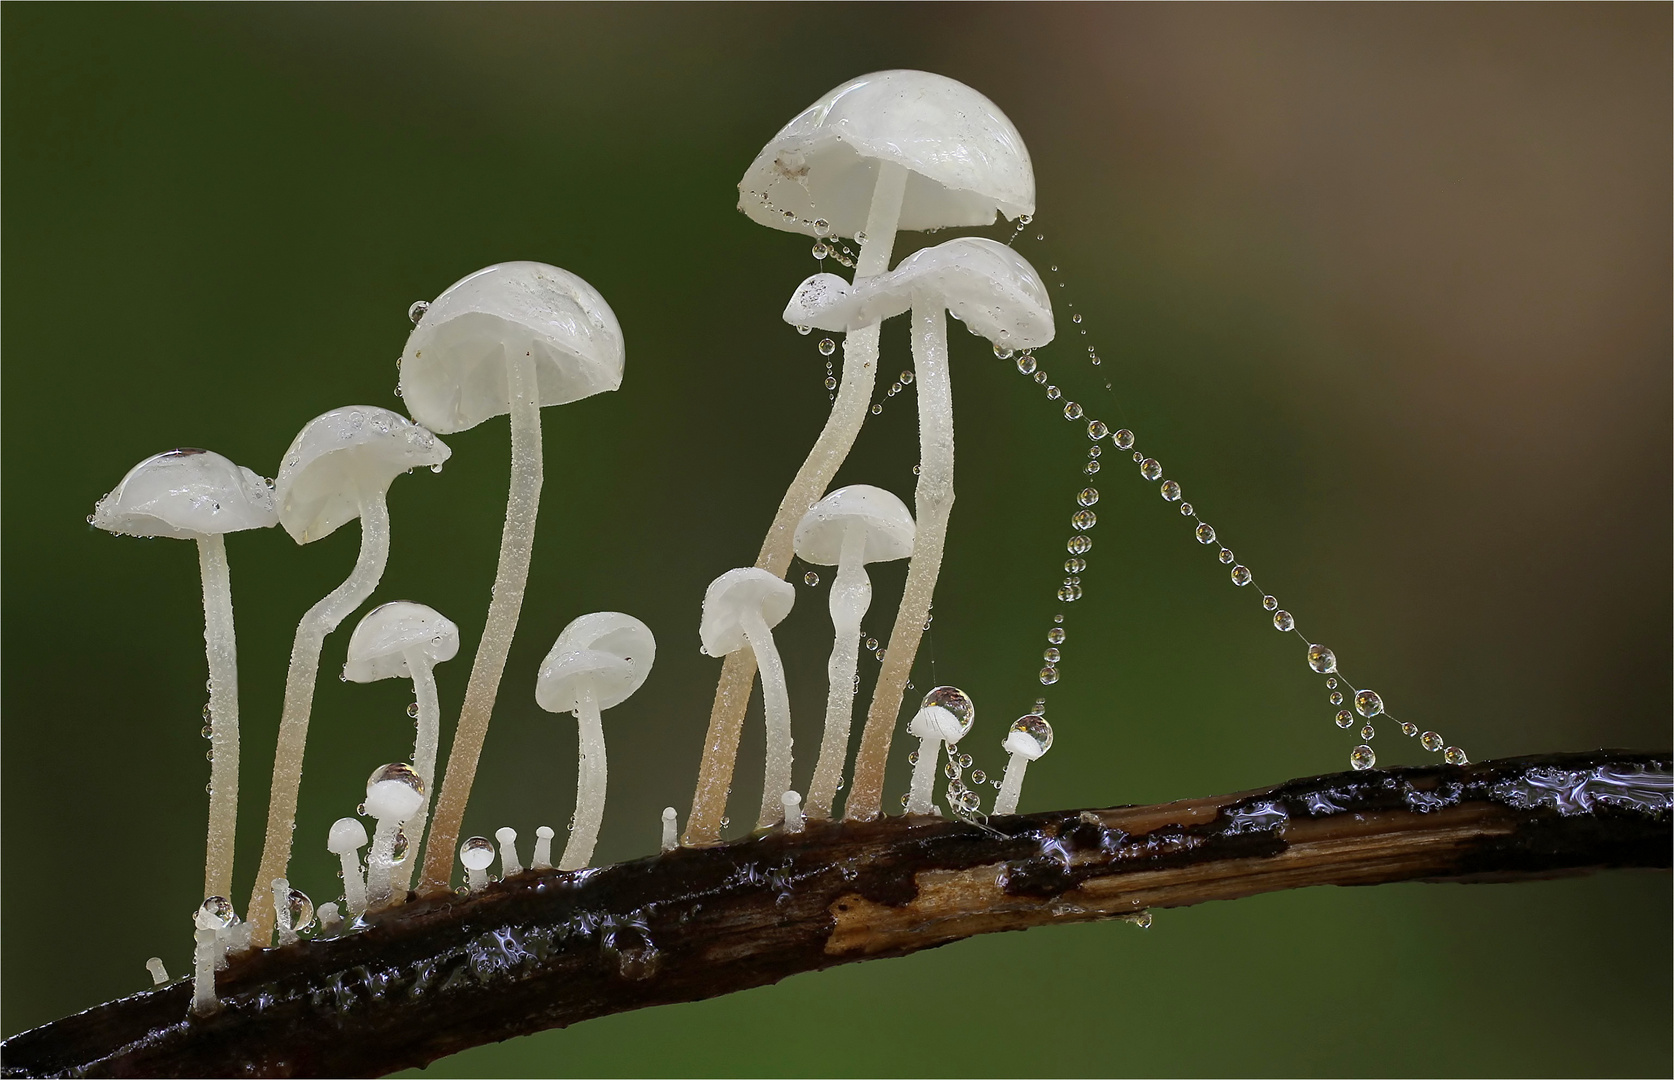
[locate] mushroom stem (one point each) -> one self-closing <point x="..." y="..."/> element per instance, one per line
<point x="671" y="828"/>
<point x="842" y="426"/>
<point x="921" y="796"/>
<point x="281" y="890"/>
<point x="424" y="751"/>
<point x="517" y="542"/>
<point x="793" y="811"/>
<point x="354" y="885"/>
<point x="851" y="595"/>
<point x="221" y="647"/>
<point x="1011" y="788"/>
<point x="380" y="861"/>
<point x="775" y="700"/>
<point x="311" y="632"/>
<point x="204" y="1000"/>
<point x="591" y="774"/>
<point x="934" y="498"/>
<point x="542" y="859"/>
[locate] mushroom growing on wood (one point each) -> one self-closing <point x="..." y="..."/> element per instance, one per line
<point x="1028" y="739"/>
<point x="198" y="495"/>
<point x="597" y="663"/>
<point x="338" y="468"/>
<point x="944" y="717"/>
<point x="886" y="151"/>
<point x="510" y="338"/>
<point x="847" y="529"/>
<point x="740" y="611"/>
<point x="394" y="793"/>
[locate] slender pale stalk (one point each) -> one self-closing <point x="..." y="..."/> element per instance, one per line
<point x="934" y="497"/>
<point x="204" y="1000"/>
<point x="851" y="596"/>
<point x="424" y="754"/>
<point x="842" y="426"/>
<point x="793" y="811"/>
<point x="380" y="861"/>
<point x="509" y="864"/>
<point x="221" y="647"/>
<point x="671" y="828"/>
<point x="321" y="620"/>
<point x="282" y="911"/>
<point x="921" y="795"/>
<point x="543" y="849"/>
<point x="1011" y="788"/>
<point x="354" y="883"/>
<point x="775" y="700"/>
<point x="592" y="773"/>
<point x="517" y="543"/>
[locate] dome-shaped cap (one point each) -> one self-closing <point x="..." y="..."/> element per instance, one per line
<point x="612" y="651"/>
<point x="964" y="160"/>
<point x="378" y="647"/>
<point x="394" y="791"/>
<point x="885" y="519"/>
<point x="453" y="371"/>
<point x="341" y="456"/>
<point x="185" y="494"/>
<point x="937" y="722"/>
<point x="733" y="593"/>
<point x="347" y="834"/>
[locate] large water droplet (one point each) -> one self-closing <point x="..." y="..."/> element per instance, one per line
<point x="1087" y="496"/>
<point x="1090" y="468"/>
<point x="1362" y="757"/>
<point x="1079" y="545"/>
<point x="955" y="701"/>
<point x="1032" y="728"/>
<point x="301" y="910"/>
<point x="1002" y="352"/>
<point x="1283" y="621"/>
<point x="1150" y="469"/>
<point x="1321" y="659"/>
<point x="1368" y="704"/>
<point x="1431" y="741"/>
<point x="1345" y="719"/>
<point x="827" y="346"/>
<point x="1097" y="430"/>
<point x="477" y="853"/>
<point x="1084" y="519"/>
<point x="215" y="913"/>
<point x="1026" y="364"/>
<point x="1051" y="656"/>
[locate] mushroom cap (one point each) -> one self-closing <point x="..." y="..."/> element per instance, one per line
<point x="1029" y="736"/>
<point x="885" y="518"/>
<point x="730" y="595"/>
<point x="453" y="370"/>
<point x="186" y="494"/>
<point x="612" y="651"/>
<point x="965" y="161"/>
<point x="340" y="457"/>
<point x="378" y="647"/>
<point x="347" y="834"/>
<point x="394" y="791"/>
<point x="983" y="283"/>
<point x="936" y="722"/>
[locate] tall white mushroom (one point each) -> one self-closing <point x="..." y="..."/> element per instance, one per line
<point x="740" y="610"/>
<point x="198" y="495"/>
<point x="997" y="295"/>
<point x="944" y="717"/>
<point x="887" y="151"/>
<point x="847" y="529"/>
<point x="510" y="338"/>
<point x="338" y="468"/>
<point x="1028" y="739"/>
<point x="597" y="663"/>
<point x="404" y="640"/>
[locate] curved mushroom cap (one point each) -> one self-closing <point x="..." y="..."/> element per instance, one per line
<point x="985" y="284"/>
<point x="735" y="592"/>
<point x="184" y="494"/>
<point x="1029" y="737"/>
<point x="453" y="371"/>
<point x="347" y="834"/>
<point x="612" y="651"/>
<point x="394" y="791"/>
<point x="885" y="519"/>
<point x="936" y="722"/>
<point x="341" y="456"/>
<point x="965" y="161"/>
<point x="378" y="647"/>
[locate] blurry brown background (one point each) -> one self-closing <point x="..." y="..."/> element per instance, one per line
<point x="1386" y="288"/>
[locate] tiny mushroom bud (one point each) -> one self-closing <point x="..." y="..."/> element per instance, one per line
<point x="740" y="610"/>
<point x="281" y="890"/>
<point x="793" y="811"/>
<point x="945" y="716"/>
<point x="507" y="836"/>
<point x="543" y="848"/>
<point x="330" y="918"/>
<point x="847" y="529"/>
<point x="159" y="974"/>
<point x="597" y="663"/>
<point x="476" y="854"/>
<point x="671" y="828"/>
<point x="394" y="793"/>
<point x="1028" y="738"/>
<point x="210" y="920"/>
<point x="345" y="840"/>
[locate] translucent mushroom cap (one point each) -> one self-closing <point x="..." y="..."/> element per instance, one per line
<point x="1029" y="736"/>
<point x="936" y="722"/>
<point x="476" y="853"/>
<point x="340" y="457"/>
<point x="453" y="371"/>
<point x="186" y="494"/>
<point x="965" y="161"/>
<point x="394" y="791"/>
<point x="611" y="651"/>
<point x="347" y="835"/>
<point x="887" y="523"/>
<point x="730" y="596"/>
<point x="983" y="283"/>
<point x="378" y="647"/>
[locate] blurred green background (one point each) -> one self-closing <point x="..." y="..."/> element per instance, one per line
<point x="1386" y="288"/>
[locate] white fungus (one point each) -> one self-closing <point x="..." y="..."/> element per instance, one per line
<point x="210" y="920"/>
<point x="671" y="828"/>
<point x="331" y="918"/>
<point x="542" y="859"/>
<point x="476" y="854"/>
<point x="1028" y="738"/>
<point x="792" y="803"/>
<point x="159" y="974"/>
<point x="740" y="610"/>
<point x="507" y="836"/>
<point x="944" y="717"/>
<point x="394" y="794"/>
<point x="345" y="840"/>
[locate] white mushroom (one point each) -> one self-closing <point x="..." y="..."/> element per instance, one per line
<point x="543" y="848"/>
<point x="476" y="854"/>
<point x="510" y="338"/>
<point x="597" y="663"/>
<point x="338" y="468"/>
<point x="403" y="640"/>
<point x="1028" y="738"/>
<point x="740" y="610"/>
<point x="793" y="811"/>
<point x="345" y="840"/>
<point x="211" y="920"/>
<point x="159" y="974"/>
<point x="199" y="495"/>
<point x="849" y="528"/>
<point x="509" y="865"/>
<point x="394" y="793"/>
<point x="886" y="151"/>
<point x="943" y="718"/>
<point x="671" y="828"/>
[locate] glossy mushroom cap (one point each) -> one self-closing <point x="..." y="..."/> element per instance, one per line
<point x="184" y="494"/>
<point x="887" y="523"/>
<point x="733" y="593"/>
<point x="378" y="647"/>
<point x="453" y="371"/>
<point x="394" y="791"/>
<point x="342" y="456"/>
<point x="964" y="160"/>
<point x="1029" y="736"/>
<point x="608" y="649"/>
<point x="983" y="283"/>
<point x="935" y="722"/>
<point x="347" y="835"/>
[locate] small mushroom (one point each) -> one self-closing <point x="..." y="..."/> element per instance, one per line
<point x="886" y="151"/>
<point x="199" y="495"/>
<point x="509" y="866"/>
<point x="543" y="848"/>
<point x="597" y="663"/>
<point x="476" y="854"/>
<point x="849" y="528"/>
<point x="394" y="793"/>
<point x="345" y="840"/>
<point x="293" y="911"/>
<point x="211" y="921"/>
<point x="793" y="811"/>
<point x="159" y="974"/>
<point x="510" y="338"/>
<point x="1028" y="738"/>
<point x="740" y="609"/>
<point x="331" y="918"/>
<point x="944" y="717"/>
<point x="338" y="468"/>
<point x="671" y="828"/>
<point x="403" y="640"/>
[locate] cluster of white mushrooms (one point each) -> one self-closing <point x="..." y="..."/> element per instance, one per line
<point x="897" y="150"/>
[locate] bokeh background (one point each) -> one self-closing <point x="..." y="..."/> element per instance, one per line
<point x="1387" y="288"/>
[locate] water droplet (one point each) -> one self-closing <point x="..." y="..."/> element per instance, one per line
<point x="820" y="250"/>
<point x="1053" y="393"/>
<point x="1096" y="430"/>
<point x="912" y="758"/>
<point x="955" y="701"/>
<point x="1051" y="656"/>
<point x="1205" y="534"/>
<point x="1074" y="566"/>
<point x="810" y="578"/>
<point x="1241" y="575"/>
<point x="1002" y="352"/>
<point x="1455" y="756"/>
<point x="804" y="330"/>
<point x="1072" y="411"/>
<point x="301" y="909"/>
<point x="1283" y="621"/>
<point x="413" y="710"/>
<point x="859" y="237"/>
<point x="1087" y="496"/>
<point x="1409" y="730"/>
<point x="1123" y="439"/>
<point x="1150" y="469"/>
<point x="827" y="346"/>
<point x="1094" y="451"/>
<point x="1368" y="704"/>
<point x="978" y="776"/>
<point x="1186" y="510"/>
<point x="1058" y="618"/>
<point x="1069" y="593"/>
<point x="207" y="732"/>
<point x="1091" y="468"/>
<point x="1226" y="556"/>
<point x="1056" y="635"/>
<point x="1079" y="545"/>
<point x="416" y="310"/>
<point x="876" y="409"/>
<point x="1336" y="697"/>
<point x="1026" y="364"/>
<point x="964" y="761"/>
<point x="822" y="227"/>
<point x="1048" y="676"/>
<point x="1331" y="684"/>
<point x="1084" y="519"/>
<point x="1362" y="757"/>
<point x="830" y="383"/>
<point x="1171" y="491"/>
<point x="215" y="913"/>
<point x="1430" y="741"/>
<point x="207" y="715"/>
<point x="906" y="377"/>
<point x="1269" y="602"/>
<point x="477" y="853"/>
<point x="436" y="468"/>
<point x="871" y="644"/>
<point x="1322" y="660"/>
<point x="1345" y="719"/>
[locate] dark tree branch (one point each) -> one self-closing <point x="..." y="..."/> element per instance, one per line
<point x="550" y="949"/>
